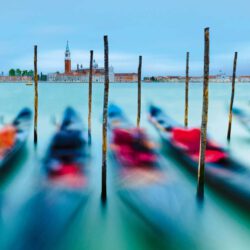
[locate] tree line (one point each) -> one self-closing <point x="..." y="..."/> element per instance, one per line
<point x="19" y="72"/>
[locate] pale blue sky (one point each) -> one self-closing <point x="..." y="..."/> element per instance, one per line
<point x="160" y="30"/>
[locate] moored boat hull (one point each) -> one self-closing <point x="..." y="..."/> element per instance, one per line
<point x="153" y="192"/>
<point x="228" y="177"/>
<point x="62" y="190"/>
<point x="22" y="124"/>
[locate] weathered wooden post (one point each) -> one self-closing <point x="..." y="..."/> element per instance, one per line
<point x="203" y="139"/>
<point x="186" y="91"/>
<point x="105" y="120"/>
<point x="90" y="95"/>
<point x="139" y="93"/>
<point x="36" y="94"/>
<point x="232" y="97"/>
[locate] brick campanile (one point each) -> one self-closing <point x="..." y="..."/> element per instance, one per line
<point x="67" y="61"/>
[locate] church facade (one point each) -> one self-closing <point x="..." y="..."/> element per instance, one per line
<point x="81" y="74"/>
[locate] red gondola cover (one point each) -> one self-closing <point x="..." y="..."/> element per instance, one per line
<point x="125" y="143"/>
<point x="189" y="141"/>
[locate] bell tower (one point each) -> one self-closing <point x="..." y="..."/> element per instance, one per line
<point x="67" y="61"/>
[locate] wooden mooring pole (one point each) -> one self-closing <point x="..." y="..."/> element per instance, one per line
<point x="232" y="98"/>
<point x="139" y="93"/>
<point x="203" y="139"/>
<point x="36" y="95"/>
<point x="186" y="91"/>
<point x="105" y="121"/>
<point x="90" y="95"/>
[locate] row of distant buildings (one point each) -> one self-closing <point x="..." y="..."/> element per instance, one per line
<point x="81" y="74"/>
<point x="196" y="79"/>
<point x="16" y="78"/>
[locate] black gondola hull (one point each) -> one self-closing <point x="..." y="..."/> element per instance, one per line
<point x="229" y="177"/>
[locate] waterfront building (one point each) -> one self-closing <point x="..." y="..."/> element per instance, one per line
<point x="15" y="78"/>
<point x="80" y="74"/>
<point x="126" y="77"/>
<point x="244" y="79"/>
<point x="196" y="79"/>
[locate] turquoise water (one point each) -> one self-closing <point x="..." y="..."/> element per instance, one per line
<point x="222" y="225"/>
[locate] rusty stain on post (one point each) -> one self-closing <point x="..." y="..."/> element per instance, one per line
<point x="36" y="94"/>
<point x="186" y="91"/>
<point x="232" y="97"/>
<point x="90" y="95"/>
<point x="139" y="93"/>
<point x="105" y="121"/>
<point x="203" y="139"/>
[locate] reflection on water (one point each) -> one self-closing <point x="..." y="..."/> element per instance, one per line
<point x="218" y="223"/>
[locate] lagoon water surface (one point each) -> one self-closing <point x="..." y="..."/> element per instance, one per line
<point x="222" y="225"/>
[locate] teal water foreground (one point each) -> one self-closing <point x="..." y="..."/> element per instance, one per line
<point x="222" y="224"/>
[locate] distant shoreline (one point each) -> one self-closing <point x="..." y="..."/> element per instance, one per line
<point x="123" y="83"/>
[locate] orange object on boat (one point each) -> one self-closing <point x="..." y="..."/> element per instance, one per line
<point x="7" y="137"/>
